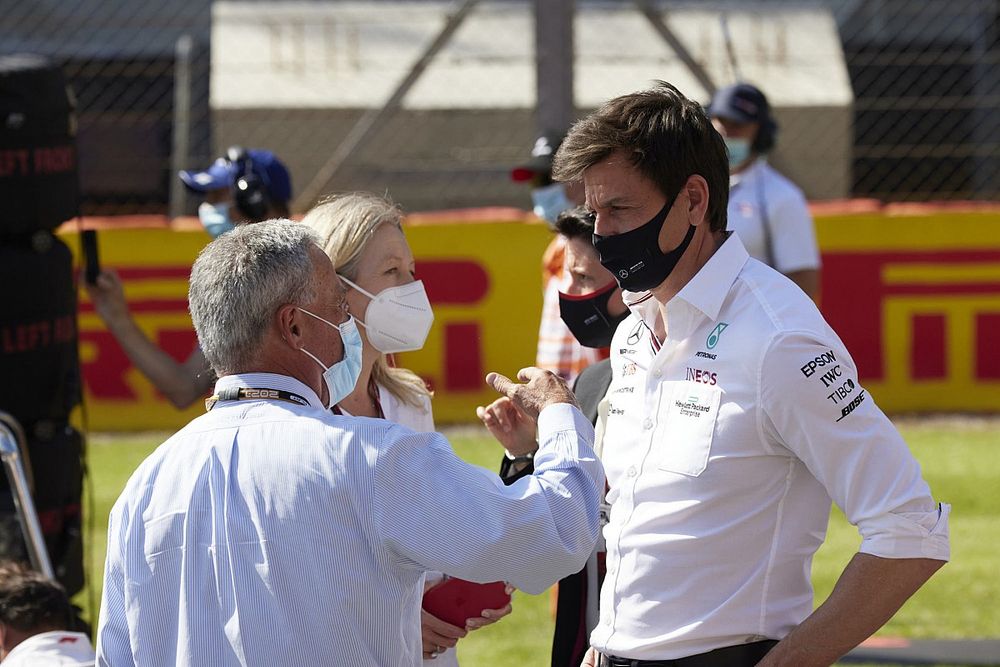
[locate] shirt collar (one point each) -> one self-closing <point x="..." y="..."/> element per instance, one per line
<point x="708" y="289"/>
<point x="705" y="292"/>
<point x="270" y="381"/>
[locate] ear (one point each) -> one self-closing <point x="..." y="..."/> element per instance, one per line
<point x="289" y="320"/>
<point x="696" y="189"/>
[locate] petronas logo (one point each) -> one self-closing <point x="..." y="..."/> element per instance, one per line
<point x="713" y="338"/>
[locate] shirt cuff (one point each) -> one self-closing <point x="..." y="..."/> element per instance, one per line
<point x="908" y="534"/>
<point x="562" y="417"/>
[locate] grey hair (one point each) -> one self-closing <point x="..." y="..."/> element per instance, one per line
<point x="238" y="282"/>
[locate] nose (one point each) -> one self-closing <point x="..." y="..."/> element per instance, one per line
<point x="602" y="227"/>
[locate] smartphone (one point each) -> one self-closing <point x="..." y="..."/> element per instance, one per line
<point x="92" y="267"/>
<point x="456" y="600"/>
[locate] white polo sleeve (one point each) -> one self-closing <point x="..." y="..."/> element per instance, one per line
<point x="793" y="235"/>
<point x="813" y="405"/>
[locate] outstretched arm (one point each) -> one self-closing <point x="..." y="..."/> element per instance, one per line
<point x="182" y="383"/>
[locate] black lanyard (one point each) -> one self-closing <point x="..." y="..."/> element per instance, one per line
<point x="254" y="394"/>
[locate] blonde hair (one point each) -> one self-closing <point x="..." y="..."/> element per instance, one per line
<point x="346" y="223"/>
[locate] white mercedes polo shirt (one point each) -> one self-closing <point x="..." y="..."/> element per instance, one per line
<point x="723" y="449"/>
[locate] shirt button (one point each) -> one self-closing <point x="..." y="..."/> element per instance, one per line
<point x="647" y="423"/>
<point x="657" y="373"/>
<point x="631" y="472"/>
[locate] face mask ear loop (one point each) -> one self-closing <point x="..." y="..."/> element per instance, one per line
<point x="358" y="287"/>
<point x="318" y="318"/>
<point x="371" y="297"/>
<point x="313" y="357"/>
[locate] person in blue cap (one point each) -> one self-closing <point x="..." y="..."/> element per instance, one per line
<point x="241" y="187"/>
<point x="766" y="210"/>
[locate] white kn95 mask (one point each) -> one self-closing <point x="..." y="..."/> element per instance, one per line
<point x="397" y="319"/>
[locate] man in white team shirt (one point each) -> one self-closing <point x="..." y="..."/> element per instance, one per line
<point x="35" y="617"/>
<point x="735" y="415"/>
<point x="766" y="210"/>
<point x="271" y="531"/>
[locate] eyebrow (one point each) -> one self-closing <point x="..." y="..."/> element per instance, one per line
<point x="617" y="199"/>
<point x="395" y="258"/>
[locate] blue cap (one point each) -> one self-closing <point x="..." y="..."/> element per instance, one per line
<point x="222" y="174"/>
<point x="740" y="103"/>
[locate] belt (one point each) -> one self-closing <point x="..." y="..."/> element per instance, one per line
<point x="729" y="656"/>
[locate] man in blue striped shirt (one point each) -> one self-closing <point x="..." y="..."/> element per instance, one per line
<point x="270" y="531"/>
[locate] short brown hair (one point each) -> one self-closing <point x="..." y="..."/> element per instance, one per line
<point x="31" y="602"/>
<point x="667" y="137"/>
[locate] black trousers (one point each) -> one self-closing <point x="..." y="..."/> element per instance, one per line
<point x="743" y="655"/>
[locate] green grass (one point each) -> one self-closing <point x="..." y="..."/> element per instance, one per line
<point x="960" y="458"/>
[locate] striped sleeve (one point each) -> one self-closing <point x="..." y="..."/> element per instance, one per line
<point x="434" y="511"/>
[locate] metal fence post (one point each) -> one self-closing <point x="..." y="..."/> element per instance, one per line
<point x="554" y="64"/>
<point x="181" y="143"/>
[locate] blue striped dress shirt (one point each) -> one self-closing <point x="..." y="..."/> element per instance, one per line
<point x="269" y="533"/>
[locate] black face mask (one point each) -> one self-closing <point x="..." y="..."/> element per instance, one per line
<point x="635" y="258"/>
<point x="588" y="318"/>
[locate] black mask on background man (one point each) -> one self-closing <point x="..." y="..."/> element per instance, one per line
<point x="587" y="316"/>
<point x="635" y="257"/>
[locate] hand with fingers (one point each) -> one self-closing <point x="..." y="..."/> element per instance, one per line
<point x="438" y="636"/>
<point x="510" y="425"/>
<point x="541" y="389"/>
<point x="108" y="297"/>
<point x="490" y="616"/>
<point x="590" y="658"/>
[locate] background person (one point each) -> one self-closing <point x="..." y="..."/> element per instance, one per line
<point x="592" y="308"/>
<point x="244" y="186"/>
<point x="767" y="210"/>
<point x="558" y="351"/>
<point x="363" y="236"/>
<point x="35" y="621"/>
<point x="735" y="415"/>
<point x="272" y="531"/>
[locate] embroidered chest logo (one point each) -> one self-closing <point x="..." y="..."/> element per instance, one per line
<point x="635" y="334"/>
<point x="713" y="338"/>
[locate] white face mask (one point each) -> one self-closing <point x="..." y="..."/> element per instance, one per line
<point x="397" y="319"/>
<point x="341" y="377"/>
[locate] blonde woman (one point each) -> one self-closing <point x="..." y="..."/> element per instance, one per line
<point x="363" y="235"/>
